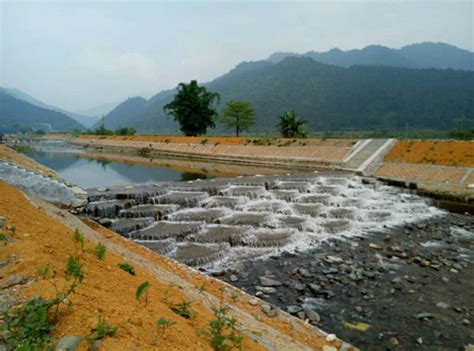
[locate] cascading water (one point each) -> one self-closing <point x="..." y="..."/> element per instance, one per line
<point x="242" y="219"/>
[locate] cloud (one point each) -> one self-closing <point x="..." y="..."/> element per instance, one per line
<point x="130" y="65"/>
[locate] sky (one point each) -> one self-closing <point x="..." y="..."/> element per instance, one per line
<point x="80" y="54"/>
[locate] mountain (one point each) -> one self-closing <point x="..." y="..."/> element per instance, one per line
<point x="331" y="97"/>
<point x="18" y="115"/>
<point x="20" y="95"/>
<point x="120" y="115"/>
<point x="422" y="55"/>
<point x="100" y="110"/>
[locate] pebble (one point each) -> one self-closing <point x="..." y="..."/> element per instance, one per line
<point x="466" y="321"/>
<point x="253" y="302"/>
<point x="269" y="311"/>
<point x="424" y="315"/>
<point x="442" y="305"/>
<point x="68" y="343"/>
<point x="294" y="309"/>
<point x="331" y="337"/>
<point x="419" y="340"/>
<point x="264" y="281"/>
<point x="374" y="246"/>
<point x="265" y="289"/>
<point x="234" y="278"/>
<point x="315" y="288"/>
<point x="393" y="340"/>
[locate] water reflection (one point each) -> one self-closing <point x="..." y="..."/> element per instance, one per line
<point x="102" y="172"/>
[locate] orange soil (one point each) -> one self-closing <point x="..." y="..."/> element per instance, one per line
<point x="215" y="140"/>
<point x="108" y="291"/>
<point x="12" y="156"/>
<point x="446" y="153"/>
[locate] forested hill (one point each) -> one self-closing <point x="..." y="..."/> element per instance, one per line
<point x="18" y="115"/>
<point x="421" y="55"/>
<point x="335" y="98"/>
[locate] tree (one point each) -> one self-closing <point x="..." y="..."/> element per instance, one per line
<point x="291" y="126"/>
<point x="192" y="108"/>
<point x="238" y="115"/>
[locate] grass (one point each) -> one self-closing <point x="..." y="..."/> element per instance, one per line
<point x="184" y="309"/>
<point x="162" y="325"/>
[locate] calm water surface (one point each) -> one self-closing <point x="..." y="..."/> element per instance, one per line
<point x="90" y="173"/>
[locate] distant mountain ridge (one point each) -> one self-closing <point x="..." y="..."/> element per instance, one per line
<point x="87" y="121"/>
<point x="120" y="115"/>
<point x="19" y="115"/>
<point x="421" y="55"/>
<point x="372" y="88"/>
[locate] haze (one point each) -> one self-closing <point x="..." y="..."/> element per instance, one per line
<point x="77" y="55"/>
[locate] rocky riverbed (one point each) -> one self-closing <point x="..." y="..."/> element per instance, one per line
<point x="406" y="289"/>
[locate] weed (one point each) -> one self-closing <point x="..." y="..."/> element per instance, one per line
<point x="28" y="327"/>
<point x="167" y="141"/>
<point x="204" y="141"/>
<point x="127" y="268"/>
<point x="183" y="309"/>
<point x="142" y="289"/>
<point x="79" y="238"/>
<point x="101" y="330"/>
<point x="43" y="272"/>
<point x="99" y="251"/>
<point x="3" y="237"/>
<point x="162" y="325"/>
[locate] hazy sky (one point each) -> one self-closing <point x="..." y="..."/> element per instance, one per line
<point x="79" y="54"/>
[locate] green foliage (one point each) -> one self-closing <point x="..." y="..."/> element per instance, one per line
<point x="3" y="237"/>
<point x="290" y="126"/>
<point x="238" y="115"/>
<point x="125" y="131"/>
<point x="192" y="108"/>
<point x="99" y="251"/>
<point x="79" y="238"/>
<point x="463" y="134"/>
<point x="184" y="309"/>
<point x="204" y="141"/>
<point x="163" y="325"/>
<point x="43" y="272"/>
<point x="142" y="289"/>
<point x="223" y="330"/>
<point x="127" y="268"/>
<point x="28" y="327"/>
<point x="101" y="330"/>
<point x="74" y="269"/>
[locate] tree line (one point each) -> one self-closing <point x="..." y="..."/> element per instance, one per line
<point x="194" y="108"/>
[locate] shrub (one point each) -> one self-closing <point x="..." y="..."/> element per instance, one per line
<point x="142" y="290"/>
<point x="127" y="268"/>
<point x="162" y="325"/>
<point x="101" y="330"/>
<point x="79" y="238"/>
<point x="183" y="309"/>
<point x="99" y="251"/>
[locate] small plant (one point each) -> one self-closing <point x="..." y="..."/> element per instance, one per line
<point x="183" y="309"/>
<point x="3" y="237"/>
<point x="28" y="327"/>
<point x="142" y="289"/>
<point x="79" y="238"/>
<point x="101" y="330"/>
<point x="163" y="325"/>
<point x="204" y="141"/>
<point x="127" y="268"/>
<point x="99" y="251"/>
<point x="43" y="272"/>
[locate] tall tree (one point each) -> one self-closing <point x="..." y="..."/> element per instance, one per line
<point x="238" y="115"/>
<point x="193" y="109"/>
<point x="290" y="126"/>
